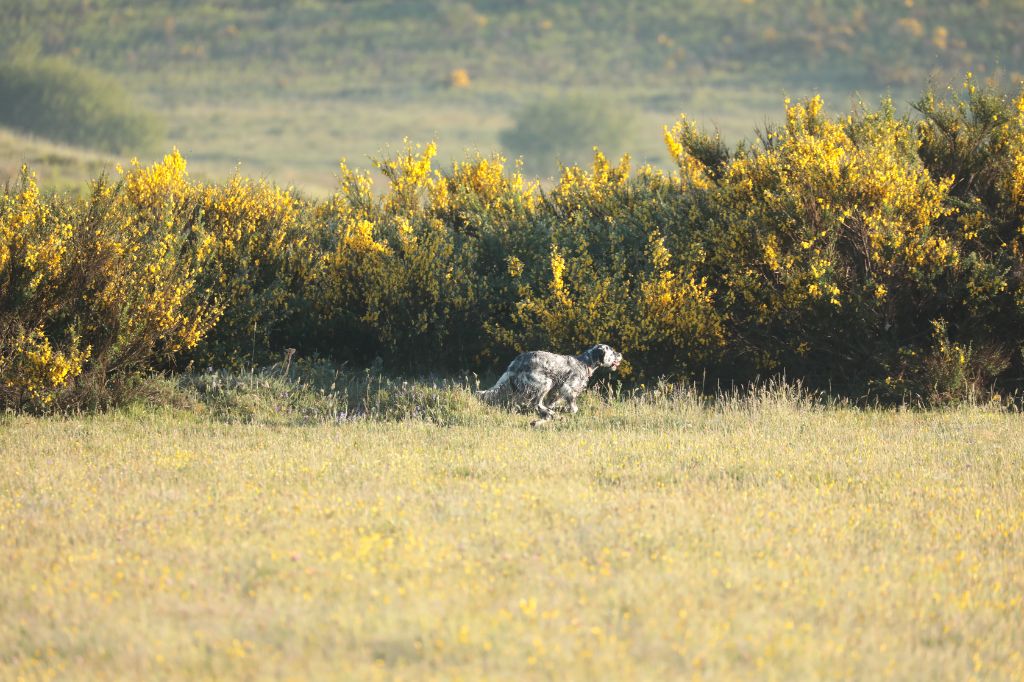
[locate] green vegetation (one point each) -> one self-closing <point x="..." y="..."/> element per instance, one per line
<point x="761" y="536"/>
<point x="65" y="102"/>
<point x="314" y="392"/>
<point x="565" y="42"/>
<point x="871" y="255"/>
<point x="565" y="131"/>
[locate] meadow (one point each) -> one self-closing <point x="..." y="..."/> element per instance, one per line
<point x="652" y="536"/>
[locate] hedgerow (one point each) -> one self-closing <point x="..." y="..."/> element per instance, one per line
<point x="871" y="254"/>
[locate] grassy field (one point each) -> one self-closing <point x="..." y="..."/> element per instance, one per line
<point x="759" y="537"/>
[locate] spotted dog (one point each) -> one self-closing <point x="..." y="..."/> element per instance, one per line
<point x="537" y="380"/>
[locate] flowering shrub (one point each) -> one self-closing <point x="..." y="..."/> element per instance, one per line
<point x="393" y="277"/>
<point x="612" y="274"/>
<point x="824" y="242"/>
<point x="870" y="253"/>
<point x="261" y="258"/>
<point x="93" y="290"/>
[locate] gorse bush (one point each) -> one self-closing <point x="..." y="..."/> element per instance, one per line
<point x="841" y="244"/>
<point x="59" y="100"/>
<point x="871" y="254"/>
<point x="853" y="259"/>
<point x="93" y="290"/>
<point x="261" y="257"/>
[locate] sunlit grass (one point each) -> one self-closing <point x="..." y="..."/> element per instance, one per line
<point x="761" y="537"/>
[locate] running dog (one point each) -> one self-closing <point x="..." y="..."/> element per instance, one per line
<point x="537" y="380"/>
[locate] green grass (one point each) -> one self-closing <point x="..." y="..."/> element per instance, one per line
<point x="758" y="537"/>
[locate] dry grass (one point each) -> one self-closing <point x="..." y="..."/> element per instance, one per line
<point x="762" y="538"/>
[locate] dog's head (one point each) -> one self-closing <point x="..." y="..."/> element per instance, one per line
<point x="604" y="356"/>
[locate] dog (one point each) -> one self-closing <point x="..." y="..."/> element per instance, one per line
<point x="538" y="380"/>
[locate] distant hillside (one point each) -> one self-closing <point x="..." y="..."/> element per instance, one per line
<point x="402" y="43"/>
<point x="287" y="88"/>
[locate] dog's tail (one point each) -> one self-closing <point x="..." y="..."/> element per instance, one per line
<point x="497" y="393"/>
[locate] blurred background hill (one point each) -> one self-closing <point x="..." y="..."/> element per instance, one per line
<point x="286" y="89"/>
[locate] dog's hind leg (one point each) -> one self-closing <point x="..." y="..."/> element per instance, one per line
<point x="545" y="412"/>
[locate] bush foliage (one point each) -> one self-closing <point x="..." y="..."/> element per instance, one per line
<point x="59" y="100"/>
<point x="564" y="130"/>
<point x="870" y="254"/>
